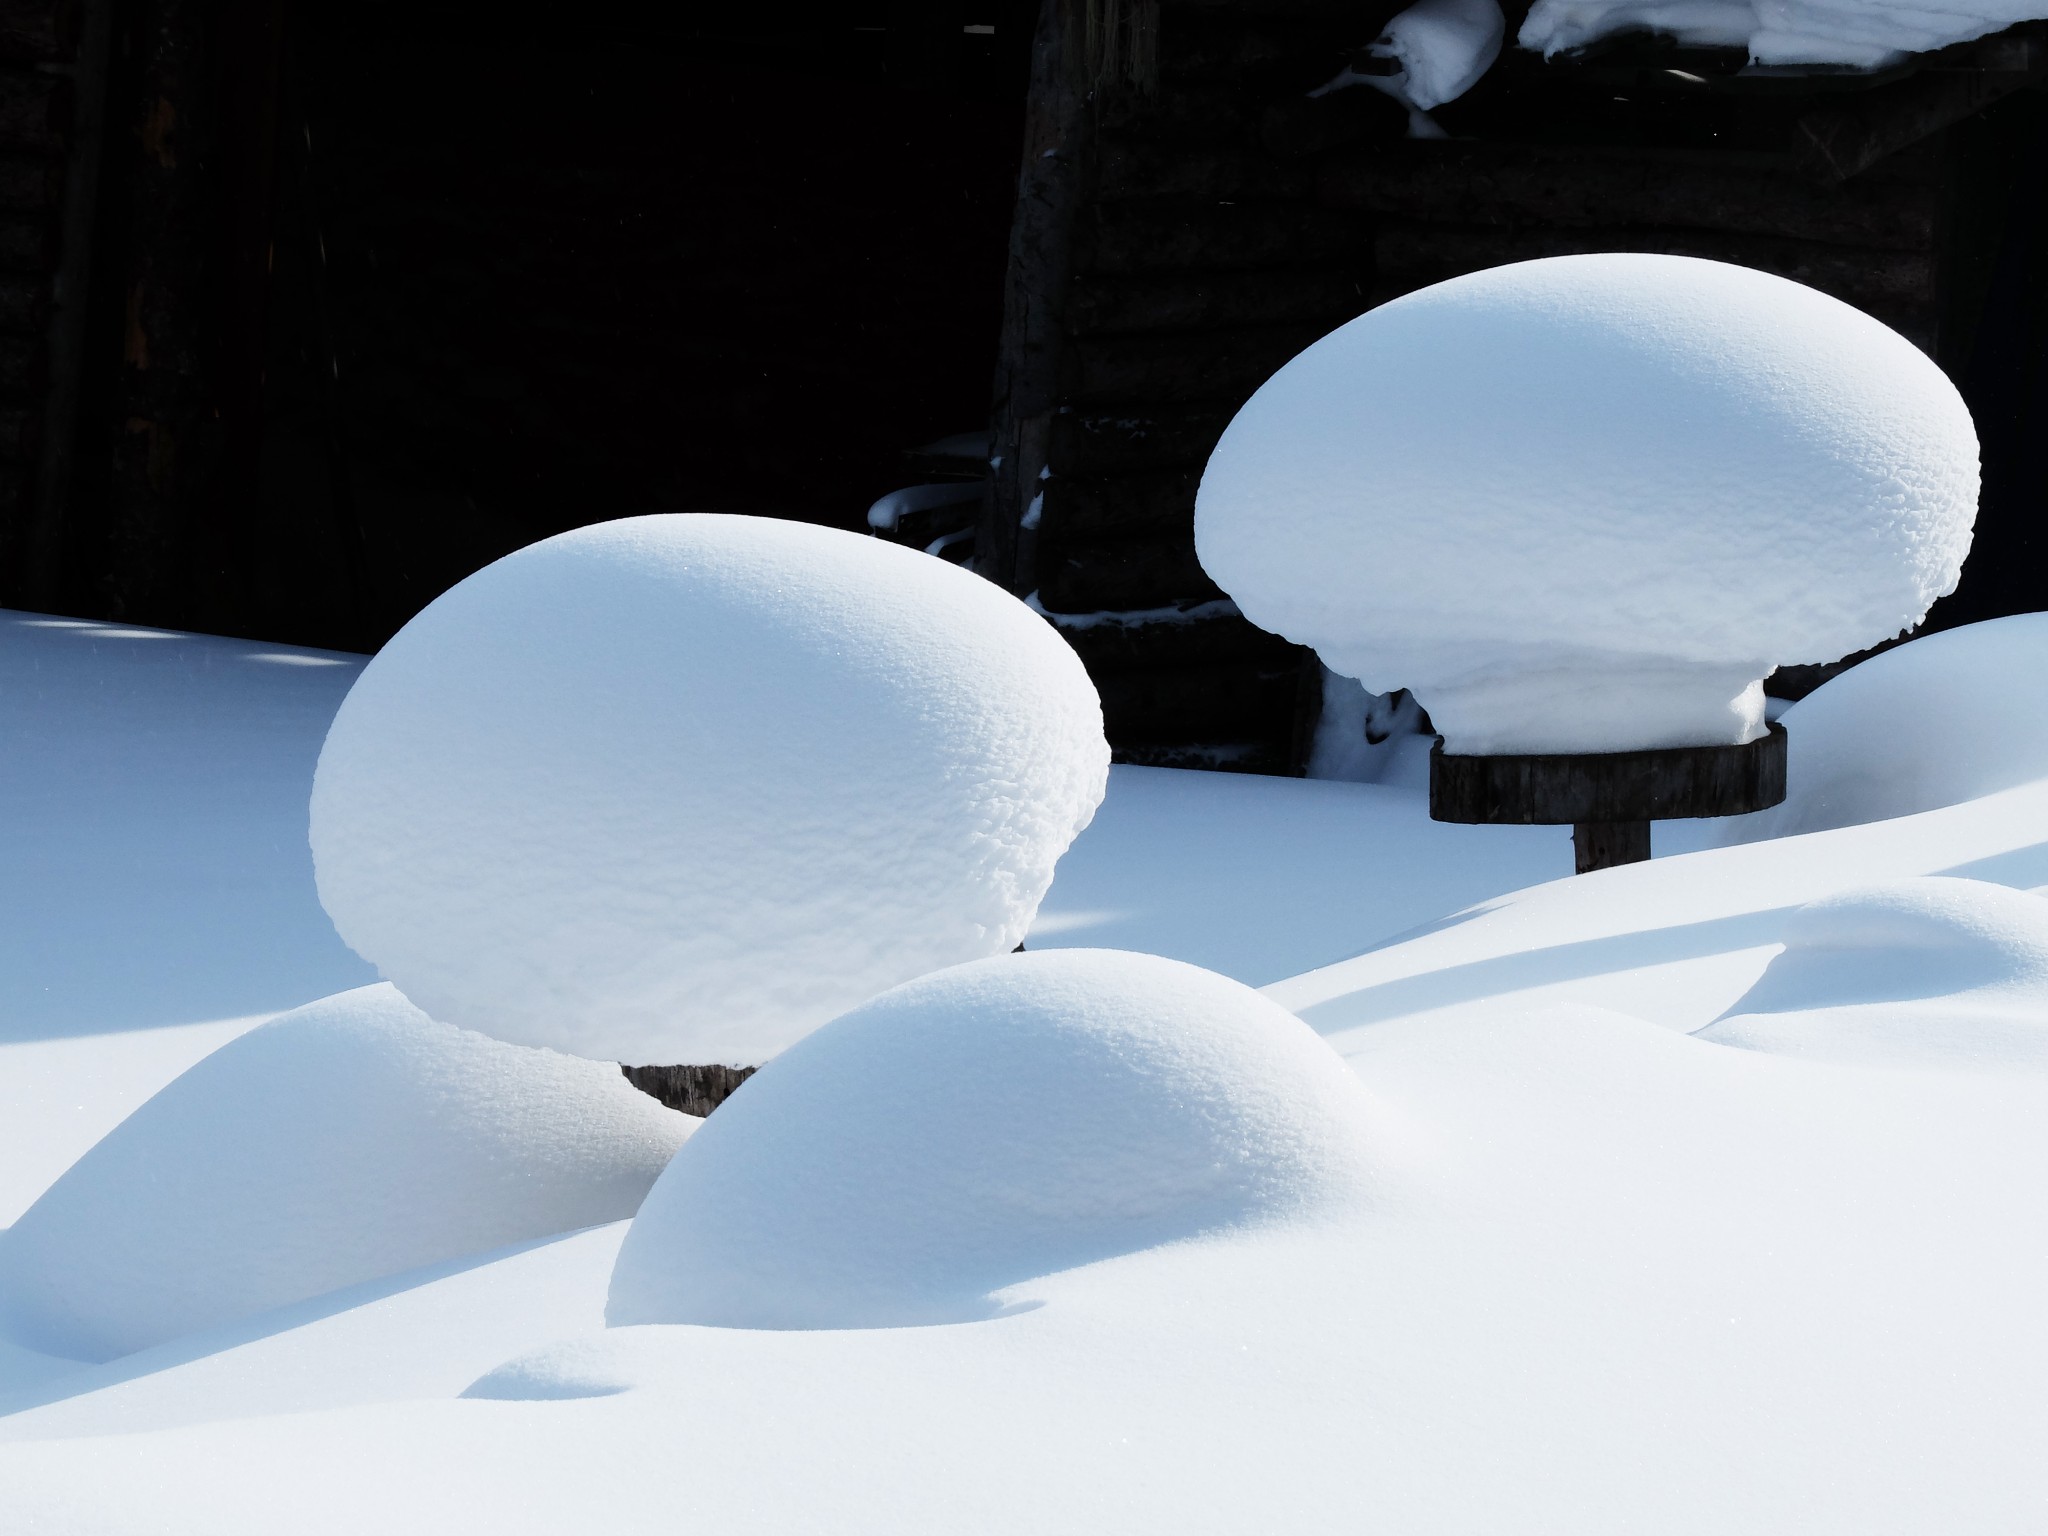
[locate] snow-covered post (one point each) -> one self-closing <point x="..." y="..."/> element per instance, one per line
<point x="1582" y="507"/>
<point x="678" y="789"/>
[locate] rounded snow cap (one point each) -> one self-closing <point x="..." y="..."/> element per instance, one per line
<point x="346" y="1140"/>
<point x="681" y="788"/>
<point x="987" y="1124"/>
<point x="1587" y="503"/>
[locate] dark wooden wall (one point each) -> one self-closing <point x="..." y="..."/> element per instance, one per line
<point x="381" y="291"/>
<point x="1176" y="244"/>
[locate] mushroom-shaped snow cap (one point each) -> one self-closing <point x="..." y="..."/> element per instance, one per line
<point x="682" y="788"/>
<point x="1586" y="504"/>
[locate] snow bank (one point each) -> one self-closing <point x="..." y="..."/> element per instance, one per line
<point x="1940" y="720"/>
<point x="348" y="1139"/>
<point x="681" y="788"/>
<point x="1586" y="503"/>
<point x="1863" y="33"/>
<point x="1933" y="972"/>
<point x="985" y="1125"/>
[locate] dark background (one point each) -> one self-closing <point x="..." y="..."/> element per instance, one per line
<point x="530" y="270"/>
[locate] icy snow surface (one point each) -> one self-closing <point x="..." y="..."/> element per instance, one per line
<point x="348" y="1139"/>
<point x="681" y="788"/>
<point x="1864" y="33"/>
<point x="1586" y="503"/>
<point x="989" y="1124"/>
<point x="1609" y="1278"/>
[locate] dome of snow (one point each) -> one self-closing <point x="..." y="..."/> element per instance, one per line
<point x="681" y="788"/>
<point x="1928" y="972"/>
<point x="1942" y="719"/>
<point x="349" y="1139"/>
<point x="1585" y="504"/>
<point x="985" y="1125"/>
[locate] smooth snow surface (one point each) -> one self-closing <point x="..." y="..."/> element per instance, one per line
<point x="681" y="788"/>
<point x="1617" y="489"/>
<point x="1942" y="719"/>
<point x="987" y="1124"/>
<point x="1931" y="972"/>
<point x="1863" y="33"/>
<point x="352" y="1138"/>
<point x="151" y="871"/>
<point x="1609" y="1279"/>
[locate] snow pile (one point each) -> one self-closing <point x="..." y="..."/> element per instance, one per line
<point x="681" y="788"/>
<point x="1442" y="46"/>
<point x="1933" y="972"/>
<point x="1943" y="719"/>
<point x="348" y="1139"/>
<point x="1863" y="33"/>
<point x="992" y="1123"/>
<point x="1587" y="503"/>
<point x="1368" y="738"/>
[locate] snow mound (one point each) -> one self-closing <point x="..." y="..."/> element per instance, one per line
<point x="681" y="788"/>
<point x="1864" y="33"/>
<point x="1586" y="503"/>
<point x="1943" y="719"/>
<point x="985" y="1125"/>
<point x="1930" y="972"/>
<point x="349" y="1139"/>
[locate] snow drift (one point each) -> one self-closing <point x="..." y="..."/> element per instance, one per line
<point x="1937" y="721"/>
<point x="1932" y="972"/>
<point x="349" y="1139"/>
<point x="991" y="1123"/>
<point x="1586" y="503"/>
<point x="681" y="788"/>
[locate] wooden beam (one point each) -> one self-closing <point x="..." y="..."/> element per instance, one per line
<point x="1840" y="141"/>
<point x="1053" y="183"/>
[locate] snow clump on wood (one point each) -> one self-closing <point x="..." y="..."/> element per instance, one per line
<point x="346" y="1140"/>
<point x="1587" y="503"/>
<point x="681" y="788"/>
<point x="988" y="1124"/>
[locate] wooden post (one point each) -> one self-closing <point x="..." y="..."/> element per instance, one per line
<point x="1604" y="844"/>
<point x="1051" y="187"/>
<point x="1608" y="799"/>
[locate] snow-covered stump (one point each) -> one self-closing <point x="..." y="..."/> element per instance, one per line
<point x="1582" y="507"/>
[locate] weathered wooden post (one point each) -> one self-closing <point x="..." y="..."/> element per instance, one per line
<point x="1608" y="798"/>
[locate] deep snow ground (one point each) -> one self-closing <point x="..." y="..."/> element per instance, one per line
<point x="1609" y="1278"/>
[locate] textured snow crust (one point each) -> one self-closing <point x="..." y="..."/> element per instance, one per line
<point x="1864" y="33"/>
<point x="681" y="788"/>
<point x="1586" y="503"/>
<point x="348" y="1139"/>
<point x="990" y="1123"/>
<point x="1933" y="972"/>
<point x="1939" y="720"/>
